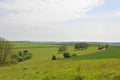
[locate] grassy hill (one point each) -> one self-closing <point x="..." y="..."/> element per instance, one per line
<point x="111" y="52"/>
<point x="106" y="66"/>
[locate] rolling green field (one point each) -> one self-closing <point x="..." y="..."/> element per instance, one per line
<point x="111" y="52"/>
<point x="90" y="64"/>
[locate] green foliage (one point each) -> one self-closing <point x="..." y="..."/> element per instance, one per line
<point x="103" y="47"/>
<point x="81" y="45"/>
<point x="54" y="57"/>
<point x="106" y="46"/>
<point x="6" y="53"/>
<point x="23" y="56"/>
<point x="66" y="55"/>
<point x="62" y="49"/>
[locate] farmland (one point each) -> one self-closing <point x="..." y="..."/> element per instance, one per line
<point x="90" y="64"/>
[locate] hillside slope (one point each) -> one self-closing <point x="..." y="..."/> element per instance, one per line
<point x="111" y="52"/>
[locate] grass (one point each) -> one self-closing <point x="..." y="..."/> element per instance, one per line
<point x="41" y="67"/>
<point x="23" y="45"/>
<point x="111" y="52"/>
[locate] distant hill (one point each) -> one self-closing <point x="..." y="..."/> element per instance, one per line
<point x="70" y="42"/>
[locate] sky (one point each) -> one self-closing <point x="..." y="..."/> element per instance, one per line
<point x="60" y="20"/>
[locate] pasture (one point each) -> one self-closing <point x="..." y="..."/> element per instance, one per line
<point x="90" y="64"/>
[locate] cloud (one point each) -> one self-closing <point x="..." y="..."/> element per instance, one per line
<point x="57" y="20"/>
<point x="47" y="10"/>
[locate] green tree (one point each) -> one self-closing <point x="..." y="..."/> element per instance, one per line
<point x="81" y="45"/>
<point x="62" y="49"/>
<point x="6" y="53"/>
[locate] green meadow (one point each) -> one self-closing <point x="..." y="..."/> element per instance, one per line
<point x="89" y="64"/>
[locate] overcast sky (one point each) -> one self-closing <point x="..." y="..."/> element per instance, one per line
<point x="60" y="20"/>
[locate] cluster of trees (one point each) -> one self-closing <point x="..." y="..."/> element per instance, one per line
<point x="23" y="56"/>
<point x="82" y="45"/>
<point x="78" y="46"/>
<point x="103" y="47"/>
<point x="7" y="55"/>
<point x="63" y="48"/>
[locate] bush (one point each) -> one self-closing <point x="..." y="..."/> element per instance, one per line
<point x="20" y="53"/>
<point x="66" y="55"/>
<point x="54" y="57"/>
<point x="23" y="56"/>
<point x="25" y="51"/>
<point x="20" y="59"/>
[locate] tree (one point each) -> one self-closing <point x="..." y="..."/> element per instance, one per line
<point x="62" y="49"/>
<point x="82" y="45"/>
<point x="6" y="53"/>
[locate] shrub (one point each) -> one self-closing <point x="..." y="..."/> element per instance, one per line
<point x="20" y="53"/>
<point x="23" y="56"/>
<point x="20" y="59"/>
<point x="25" y="51"/>
<point x="66" y="55"/>
<point x="54" y="57"/>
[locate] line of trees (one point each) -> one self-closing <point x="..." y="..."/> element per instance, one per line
<point x="82" y="45"/>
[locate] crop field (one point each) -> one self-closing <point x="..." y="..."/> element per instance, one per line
<point x="90" y="64"/>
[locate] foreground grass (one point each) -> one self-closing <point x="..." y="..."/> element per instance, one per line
<point x="104" y="69"/>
